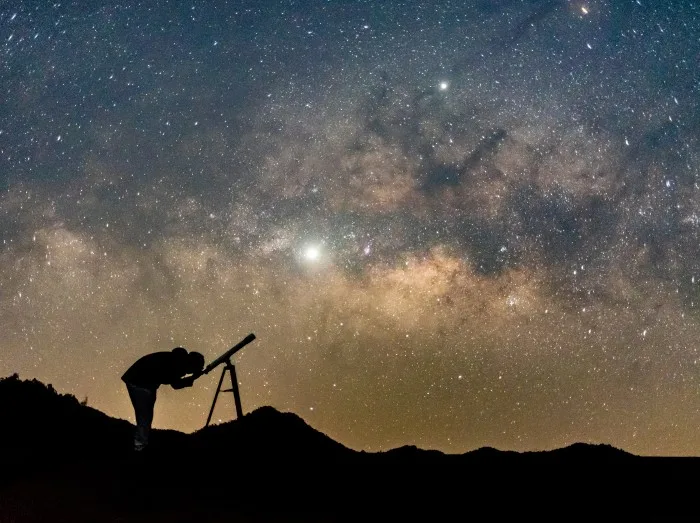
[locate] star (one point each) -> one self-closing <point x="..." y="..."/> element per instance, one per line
<point x="312" y="253"/>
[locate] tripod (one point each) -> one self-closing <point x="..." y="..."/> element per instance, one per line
<point x="234" y="388"/>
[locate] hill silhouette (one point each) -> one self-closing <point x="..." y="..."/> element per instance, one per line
<point x="65" y="461"/>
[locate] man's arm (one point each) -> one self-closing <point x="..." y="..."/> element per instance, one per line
<point x="181" y="383"/>
<point x="186" y="381"/>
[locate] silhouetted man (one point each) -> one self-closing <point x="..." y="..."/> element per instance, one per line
<point x="150" y="372"/>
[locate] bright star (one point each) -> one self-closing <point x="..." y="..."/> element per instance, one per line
<point x="444" y="85"/>
<point x="312" y="253"/>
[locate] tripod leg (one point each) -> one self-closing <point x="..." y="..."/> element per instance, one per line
<point x="218" y="388"/>
<point x="236" y="393"/>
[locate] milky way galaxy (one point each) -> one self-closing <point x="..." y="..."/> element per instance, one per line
<point x="449" y="224"/>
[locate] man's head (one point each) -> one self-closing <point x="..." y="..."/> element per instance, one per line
<point x="195" y="362"/>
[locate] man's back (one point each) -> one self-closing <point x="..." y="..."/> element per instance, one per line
<point x="158" y="368"/>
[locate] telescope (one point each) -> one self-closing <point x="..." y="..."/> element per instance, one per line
<point x="226" y="359"/>
<point x="227" y="355"/>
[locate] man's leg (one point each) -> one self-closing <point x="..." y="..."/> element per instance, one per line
<point x="143" y="401"/>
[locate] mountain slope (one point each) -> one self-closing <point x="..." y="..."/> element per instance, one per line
<point x="64" y="461"/>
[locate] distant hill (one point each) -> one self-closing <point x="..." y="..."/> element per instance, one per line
<point x="65" y="461"/>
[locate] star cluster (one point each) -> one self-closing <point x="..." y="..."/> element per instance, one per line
<point x="449" y="224"/>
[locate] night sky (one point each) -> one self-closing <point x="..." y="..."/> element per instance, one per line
<point x="449" y="224"/>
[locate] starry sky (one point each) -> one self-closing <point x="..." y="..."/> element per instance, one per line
<point x="449" y="224"/>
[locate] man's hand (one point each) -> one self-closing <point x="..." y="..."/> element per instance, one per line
<point x="183" y="382"/>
